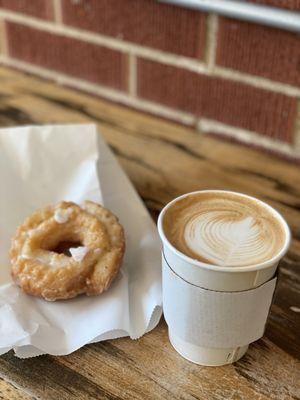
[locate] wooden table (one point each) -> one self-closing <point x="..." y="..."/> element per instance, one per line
<point x="164" y="160"/>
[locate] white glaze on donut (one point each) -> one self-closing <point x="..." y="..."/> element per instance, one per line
<point x="78" y="253"/>
<point x="61" y="215"/>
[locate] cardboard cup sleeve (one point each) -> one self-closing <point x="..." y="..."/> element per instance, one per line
<point x="215" y="319"/>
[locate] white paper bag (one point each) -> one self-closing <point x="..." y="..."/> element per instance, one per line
<point x="42" y="165"/>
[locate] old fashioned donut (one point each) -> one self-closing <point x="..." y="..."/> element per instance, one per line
<point x="44" y="265"/>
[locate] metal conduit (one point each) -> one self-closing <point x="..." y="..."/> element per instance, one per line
<point x="265" y="15"/>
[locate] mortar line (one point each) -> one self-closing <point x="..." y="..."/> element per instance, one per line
<point x="256" y="81"/>
<point x="246" y="136"/>
<point x="132" y="75"/>
<point x="57" y="12"/>
<point x="211" y="41"/>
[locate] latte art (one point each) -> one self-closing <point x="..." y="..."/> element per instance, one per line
<point x="223" y="231"/>
<point x="224" y="240"/>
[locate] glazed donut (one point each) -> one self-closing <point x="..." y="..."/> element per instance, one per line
<point x="43" y="265"/>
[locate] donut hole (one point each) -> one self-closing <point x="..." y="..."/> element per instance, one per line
<point x="59" y="241"/>
<point x="64" y="247"/>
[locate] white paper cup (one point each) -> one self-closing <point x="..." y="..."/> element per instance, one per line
<point x="217" y="278"/>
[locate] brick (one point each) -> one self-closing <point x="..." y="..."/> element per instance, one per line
<point x="232" y="103"/>
<point x="67" y="55"/>
<point x="259" y="50"/>
<point x="145" y="22"/>
<point x="36" y="8"/>
<point x="289" y="4"/>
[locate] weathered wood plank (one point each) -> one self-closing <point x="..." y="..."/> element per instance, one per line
<point x="8" y="391"/>
<point x="177" y="160"/>
<point x="150" y="369"/>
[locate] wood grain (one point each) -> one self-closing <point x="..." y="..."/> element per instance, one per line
<point x="164" y="160"/>
<point x="8" y="391"/>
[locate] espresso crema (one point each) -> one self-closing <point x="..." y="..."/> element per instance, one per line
<point x="223" y="229"/>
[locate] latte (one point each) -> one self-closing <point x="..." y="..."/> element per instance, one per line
<point x="224" y="229"/>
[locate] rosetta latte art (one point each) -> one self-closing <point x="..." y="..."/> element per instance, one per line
<point x="223" y="239"/>
<point x="223" y="229"/>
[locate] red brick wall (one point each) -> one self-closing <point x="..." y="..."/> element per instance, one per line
<point x="143" y="22"/>
<point x="289" y="4"/>
<point x="36" y="8"/>
<point x="223" y="75"/>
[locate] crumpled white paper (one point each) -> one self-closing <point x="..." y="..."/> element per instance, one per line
<point x="42" y="165"/>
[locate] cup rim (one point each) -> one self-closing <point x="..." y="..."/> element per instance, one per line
<point x="247" y="268"/>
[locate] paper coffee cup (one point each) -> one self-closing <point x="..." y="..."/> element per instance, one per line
<point x="218" y="279"/>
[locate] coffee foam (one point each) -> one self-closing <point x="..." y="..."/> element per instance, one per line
<point x="223" y="229"/>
